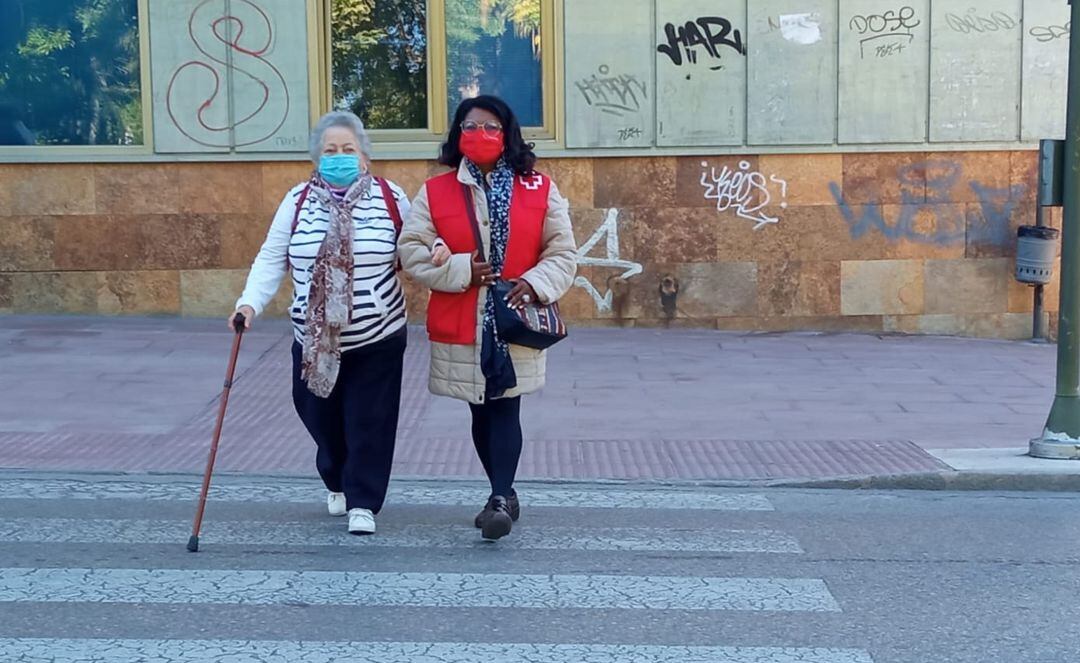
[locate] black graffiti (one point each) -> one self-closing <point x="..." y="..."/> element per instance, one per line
<point x="894" y="21"/>
<point x="709" y="32"/>
<point x="1045" y="33"/>
<point x="885" y="34"/>
<point x="285" y="141"/>
<point x="630" y="133"/>
<point x="613" y="94"/>
<point x="887" y="50"/>
<point x="974" y="22"/>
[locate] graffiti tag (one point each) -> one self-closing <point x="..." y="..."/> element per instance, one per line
<point x="923" y="188"/>
<point x="709" y="33"/>
<point x="745" y="191"/>
<point x="609" y="232"/>
<point x="615" y="95"/>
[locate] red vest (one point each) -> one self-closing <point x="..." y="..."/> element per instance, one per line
<point x="451" y="317"/>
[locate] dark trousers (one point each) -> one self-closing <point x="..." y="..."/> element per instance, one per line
<point x="496" y="432"/>
<point x="356" y="426"/>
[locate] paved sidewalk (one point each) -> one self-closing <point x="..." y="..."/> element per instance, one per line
<point x="131" y="394"/>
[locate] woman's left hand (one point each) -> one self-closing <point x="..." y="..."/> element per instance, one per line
<point x="521" y="294"/>
<point x="440" y="255"/>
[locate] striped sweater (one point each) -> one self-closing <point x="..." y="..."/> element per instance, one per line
<point x="378" y="298"/>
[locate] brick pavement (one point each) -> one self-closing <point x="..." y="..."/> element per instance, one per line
<point x="133" y="394"/>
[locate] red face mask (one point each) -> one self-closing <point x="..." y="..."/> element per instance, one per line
<point x="480" y="148"/>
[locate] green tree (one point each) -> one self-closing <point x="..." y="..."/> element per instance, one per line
<point x="70" y="70"/>
<point x="380" y="61"/>
<point x="380" y="53"/>
<point x="486" y="53"/>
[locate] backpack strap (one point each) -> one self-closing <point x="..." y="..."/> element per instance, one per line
<point x="391" y="204"/>
<point x="392" y="207"/>
<point x="299" y="206"/>
<point x="296" y="219"/>
<point x="388" y="197"/>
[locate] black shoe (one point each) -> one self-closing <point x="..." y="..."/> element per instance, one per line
<point x="515" y="511"/>
<point x="499" y="522"/>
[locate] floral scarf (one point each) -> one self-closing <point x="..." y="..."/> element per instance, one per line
<point x="495" y="362"/>
<point x="330" y="297"/>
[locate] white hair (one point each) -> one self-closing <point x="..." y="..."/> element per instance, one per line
<point x="338" y="119"/>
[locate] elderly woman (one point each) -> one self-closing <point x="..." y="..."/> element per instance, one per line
<point x="337" y="234"/>
<point x="524" y="228"/>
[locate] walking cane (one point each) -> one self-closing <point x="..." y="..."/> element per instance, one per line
<point x="193" y="543"/>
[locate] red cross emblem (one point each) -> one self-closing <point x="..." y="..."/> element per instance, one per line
<point x="532" y="183"/>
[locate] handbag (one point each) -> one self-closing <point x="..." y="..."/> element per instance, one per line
<point x="534" y="325"/>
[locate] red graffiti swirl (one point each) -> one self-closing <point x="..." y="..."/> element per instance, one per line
<point x="219" y="27"/>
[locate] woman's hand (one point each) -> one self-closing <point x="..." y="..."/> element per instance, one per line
<point x="247" y="312"/>
<point x="482" y="273"/>
<point x="440" y="255"/>
<point x="521" y="294"/>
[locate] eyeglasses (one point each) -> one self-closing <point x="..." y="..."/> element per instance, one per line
<point x="490" y="128"/>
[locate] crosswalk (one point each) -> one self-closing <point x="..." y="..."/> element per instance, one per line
<point x="79" y="651"/>
<point x="601" y="565"/>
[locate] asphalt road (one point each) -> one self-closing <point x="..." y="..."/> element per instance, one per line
<point x="94" y="569"/>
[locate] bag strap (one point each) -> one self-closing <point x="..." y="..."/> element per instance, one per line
<point x="391" y="205"/>
<point x="296" y="219"/>
<point x="388" y="197"/>
<point x="299" y="206"/>
<point x="470" y="209"/>
<point x="395" y="212"/>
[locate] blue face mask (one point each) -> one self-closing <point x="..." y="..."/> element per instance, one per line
<point x="339" y="169"/>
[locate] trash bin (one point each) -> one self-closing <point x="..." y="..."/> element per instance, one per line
<point x="1036" y="249"/>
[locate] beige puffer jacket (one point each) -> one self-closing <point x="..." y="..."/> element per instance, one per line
<point x="455" y="369"/>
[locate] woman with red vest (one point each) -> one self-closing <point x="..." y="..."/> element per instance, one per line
<point x="526" y="234"/>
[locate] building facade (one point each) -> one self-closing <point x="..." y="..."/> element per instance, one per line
<point x="736" y="164"/>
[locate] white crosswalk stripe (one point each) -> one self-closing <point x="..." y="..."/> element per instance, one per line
<point x="182" y="651"/>
<point x="329" y="533"/>
<point x="448" y="590"/>
<point x="414" y="494"/>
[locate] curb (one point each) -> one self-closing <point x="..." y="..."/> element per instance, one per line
<point x="950" y="481"/>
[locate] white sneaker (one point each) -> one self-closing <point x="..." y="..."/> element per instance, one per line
<point x="335" y="504"/>
<point x="361" y="521"/>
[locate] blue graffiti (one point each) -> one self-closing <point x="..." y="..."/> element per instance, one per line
<point x="923" y="189"/>
<point x="997" y="206"/>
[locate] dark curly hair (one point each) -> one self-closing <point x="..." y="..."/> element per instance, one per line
<point x="518" y="154"/>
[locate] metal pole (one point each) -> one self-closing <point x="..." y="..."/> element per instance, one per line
<point x="1038" y="326"/>
<point x="1061" y="437"/>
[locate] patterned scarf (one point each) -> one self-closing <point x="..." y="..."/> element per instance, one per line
<point x="330" y="297"/>
<point x="495" y="362"/>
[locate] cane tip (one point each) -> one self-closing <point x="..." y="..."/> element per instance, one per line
<point x="193" y="544"/>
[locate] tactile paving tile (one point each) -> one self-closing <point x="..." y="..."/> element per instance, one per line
<point x="678" y="459"/>
<point x="454" y="457"/>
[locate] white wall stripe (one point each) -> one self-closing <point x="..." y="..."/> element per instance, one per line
<point x="237" y="651"/>
<point x="408" y="494"/>
<point x="329" y="532"/>
<point x="435" y="590"/>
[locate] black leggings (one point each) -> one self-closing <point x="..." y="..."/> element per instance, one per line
<point x="496" y="431"/>
<point x="356" y="427"/>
